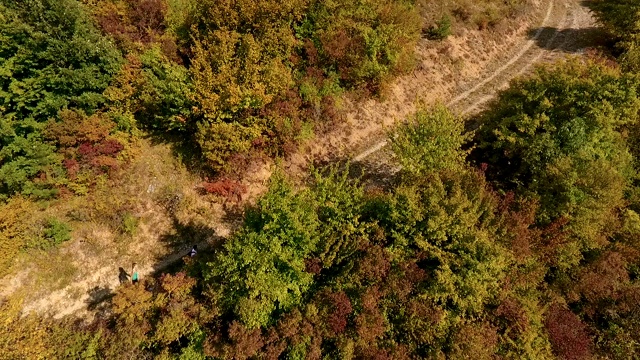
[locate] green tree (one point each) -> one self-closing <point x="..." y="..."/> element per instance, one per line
<point x="262" y="269"/>
<point x="559" y="137"/>
<point x="430" y="142"/>
<point x="622" y="19"/>
<point x="24" y="154"/>
<point x="51" y="58"/>
<point x="154" y="90"/>
<point x="450" y="221"/>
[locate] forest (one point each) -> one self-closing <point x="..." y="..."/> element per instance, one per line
<point x="513" y="233"/>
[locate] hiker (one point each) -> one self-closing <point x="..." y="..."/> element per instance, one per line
<point x="123" y="276"/>
<point x="134" y="274"/>
<point x="194" y="251"/>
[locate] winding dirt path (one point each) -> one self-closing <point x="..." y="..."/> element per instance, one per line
<point x="564" y="30"/>
<point x="558" y="30"/>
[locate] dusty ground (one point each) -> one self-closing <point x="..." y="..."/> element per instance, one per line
<point x="465" y="71"/>
<point x="171" y="214"/>
<point x="567" y="29"/>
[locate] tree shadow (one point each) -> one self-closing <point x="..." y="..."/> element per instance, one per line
<point x="183" y="148"/>
<point x="378" y="171"/>
<point x="570" y="41"/>
<point x="98" y="296"/>
<point x="185" y="235"/>
<point x="182" y="240"/>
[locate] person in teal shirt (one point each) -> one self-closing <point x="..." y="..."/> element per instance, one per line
<point x="134" y="274"/>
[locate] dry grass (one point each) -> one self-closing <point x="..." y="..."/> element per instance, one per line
<point x="474" y="14"/>
<point x="142" y="214"/>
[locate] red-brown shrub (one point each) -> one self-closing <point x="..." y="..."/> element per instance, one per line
<point x="604" y="279"/>
<point x="245" y="343"/>
<point x="370" y="324"/>
<point x="228" y="189"/>
<point x="568" y="335"/>
<point x="72" y="166"/>
<point x="313" y="266"/>
<point x="375" y="265"/>
<point x="339" y="309"/>
<point x="133" y="20"/>
<point x="86" y="152"/>
<point x="519" y="221"/>
<point x="512" y="317"/>
<point x="148" y="15"/>
<point x="109" y="147"/>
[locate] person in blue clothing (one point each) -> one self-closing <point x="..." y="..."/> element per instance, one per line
<point x="134" y="274"/>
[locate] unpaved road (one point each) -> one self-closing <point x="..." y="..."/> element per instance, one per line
<point x="567" y="28"/>
<point x="562" y="28"/>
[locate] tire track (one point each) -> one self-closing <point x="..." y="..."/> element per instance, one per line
<point x="570" y="22"/>
<point x="470" y="97"/>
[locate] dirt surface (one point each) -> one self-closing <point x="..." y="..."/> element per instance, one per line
<point x="463" y="72"/>
<point x="96" y="252"/>
<point x="567" y="28"/>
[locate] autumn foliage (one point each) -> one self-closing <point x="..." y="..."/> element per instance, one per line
<point x="518" y="240"/>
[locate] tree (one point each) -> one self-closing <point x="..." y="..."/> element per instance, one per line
<point x="364" y="42"/>
<point x="166" y="321"/>
<point x="262" y="270"/>
<point x="431" y="141"/>
<point x="51" y="58"/>
<point x="559" y="137"/>
<point x="449" y="221"/>
<point x="622" y="19"/>
<point x="154" y="90"/>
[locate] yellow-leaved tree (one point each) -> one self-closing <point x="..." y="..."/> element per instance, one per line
<point x="240" y="53"/>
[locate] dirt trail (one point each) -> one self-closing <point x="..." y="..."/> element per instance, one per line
<point x="97" y="254"/>
<point x="558" y="29"/>
<point x="474" y="57"/>
<point x="564" y="30"/>
<point x="95" y="288"/>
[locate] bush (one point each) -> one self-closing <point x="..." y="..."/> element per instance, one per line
<point x="227" y="189"/>
<point x="441" y="30"/>
<point x="430" y="142"/>
<point x="13" y="230"/>
<point x="220" y="140"/>
<point x="568" y="334"/>
<point x="86" y="143"/>
<point x="56" y="232"/>
<point x="365" y="41"/>
<point x="129" y="224"/>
